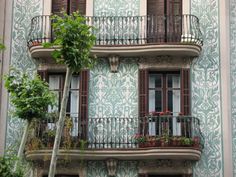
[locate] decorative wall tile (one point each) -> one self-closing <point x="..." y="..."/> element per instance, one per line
<point x="206" y="89"/>
<point x="114" y="94"/>
<point x="116" y="7"/>
<point x="96" y="168"/>
<point x="23" y="11"/>
<point x="233" y="76"/>
<point x="124" y="169"/>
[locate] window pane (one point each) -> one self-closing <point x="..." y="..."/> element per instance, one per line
<point x="74" y="103"/>
<point x="155" y="101"/>
<point x="155" y="81"/>
<point x="54" y="86"/>
<point x="174" y="101"/>
<point x="173" y="81"/>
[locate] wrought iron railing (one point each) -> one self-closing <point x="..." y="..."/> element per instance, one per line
<point x="120" y="133"/>
<point x="129" y="30"/>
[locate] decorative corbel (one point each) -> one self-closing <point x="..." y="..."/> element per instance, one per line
<point x="111" y="167"/>
<point x="114" y="63"/>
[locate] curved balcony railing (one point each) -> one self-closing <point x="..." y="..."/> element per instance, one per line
<point x="120" y="133"/>
<point x="129" y="30"/>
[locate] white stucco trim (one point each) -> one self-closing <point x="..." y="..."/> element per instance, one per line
<point x="225" y="86"/>
<point x="89" y="7"/>
<point x="47" y="7"/>
<point x="186" y="6"/>
<point x="143" y="7"/>
<point x="6" y="12"/>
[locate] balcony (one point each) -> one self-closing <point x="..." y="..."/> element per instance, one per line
<point x="151" y="137"/>
<point x="131" y="36"/>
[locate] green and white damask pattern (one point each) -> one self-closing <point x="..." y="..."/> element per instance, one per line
<point x="116" y="7"/>
<point x="206" y="89"/>
<point x="114" y="94"/>
<point x="124" y="169"/>
<point x="233" y="77"/>
<point x="113" y="103"/>
<point x="23" y="11"/>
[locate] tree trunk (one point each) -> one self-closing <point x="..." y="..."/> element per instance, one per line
<point x="60" y="123"/>
<point x="22" y="145"/>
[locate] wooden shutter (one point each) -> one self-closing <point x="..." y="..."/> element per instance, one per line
<point x="155" y="7"/>
<point x="155" y="21"/>
<point x="143" y="99"/>
<point x="43" y="74"/>
<point x="173" y="20"/>
<point x="78" y="5"/>
<point x="185" y="91"/>
<point x="59" y="5"/>
<point x="84" y="86"/>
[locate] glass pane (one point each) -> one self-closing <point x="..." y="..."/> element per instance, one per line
<point x="174" y="101"/>
<point x="155" y="81"/>
<point x="74" y="104"/>
<point x="173" y="81"/>
<point x="155" y="101"/>
<point x="54" y="85"/>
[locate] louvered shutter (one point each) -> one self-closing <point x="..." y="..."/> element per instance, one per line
<point x="78" y="5"/>
<point x="84" y="86"/>
<point x="155" y="21"/>
<point x="185" y="91"/>
<point x="174" y="20"/>
<point x="43" y="74"/>
<point x="143" y="99"/>
<point x="59" y="5"/>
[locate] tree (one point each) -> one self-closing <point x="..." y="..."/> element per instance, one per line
<point x="74" y="37"/>
<point x="30" y="97"/>
<point x="2" y="47"/>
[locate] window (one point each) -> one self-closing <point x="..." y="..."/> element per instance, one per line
<point x="164" y="20"/>
<point x="77" y="107"/>
<point x="162" y="91"/>
<point x="69" y="6"/>
<point x="56" y="84"/>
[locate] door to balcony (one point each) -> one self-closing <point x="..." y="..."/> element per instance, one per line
<point x="164" y="23"/>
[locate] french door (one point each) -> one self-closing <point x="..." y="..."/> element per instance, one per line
<point x="164" y="21"/>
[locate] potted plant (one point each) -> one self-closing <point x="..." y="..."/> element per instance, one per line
<point x="48" y="137"/>
<point x="165" y="139"/>
<point x="186" y="141"/>
<point x="175" y="141"/>
<point x="140" y="140"/>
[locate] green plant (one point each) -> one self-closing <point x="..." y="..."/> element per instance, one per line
<point x="74" y="37"/>
<point x="186" y="141"/>
<point x="6" y="167"/>
<point x="30" y="98"/>
<point x="138" y="138"/>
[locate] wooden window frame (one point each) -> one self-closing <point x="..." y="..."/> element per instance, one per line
<point x="185" y="92"/>
<point x="164" y="87"/>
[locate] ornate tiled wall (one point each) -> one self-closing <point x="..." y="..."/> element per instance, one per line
<point x="206" y="89"/>
<point x="125" y="169"/>
<point x="116" y="7"/>
<point x="114" y="94"/>
<point x="23" y="11"/>
<point x="233" y="76"/>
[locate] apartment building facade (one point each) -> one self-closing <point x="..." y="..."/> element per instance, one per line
<point x="165" y="70"/>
